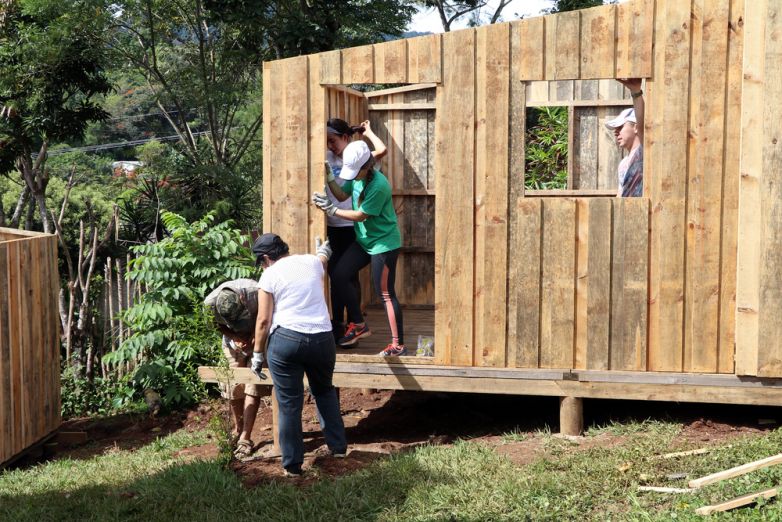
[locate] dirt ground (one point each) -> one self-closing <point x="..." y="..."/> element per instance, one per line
<point x="380" y="423"/>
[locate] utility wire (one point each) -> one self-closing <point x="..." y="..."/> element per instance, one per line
<point x="119" y="145"/>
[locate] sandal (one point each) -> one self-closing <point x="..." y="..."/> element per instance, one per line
<point x="244" y="448"/>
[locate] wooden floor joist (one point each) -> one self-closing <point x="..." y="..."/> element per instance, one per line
<point x="401" y="375"/>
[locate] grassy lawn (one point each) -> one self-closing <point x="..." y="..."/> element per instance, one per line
<point x="464" y="481"/>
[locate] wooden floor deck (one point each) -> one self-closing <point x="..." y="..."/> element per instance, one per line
<point x="417" y="322"/>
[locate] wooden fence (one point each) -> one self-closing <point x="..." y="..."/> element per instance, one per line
<point x="29" y="340"/>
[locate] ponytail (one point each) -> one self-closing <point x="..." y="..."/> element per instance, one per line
<point x="370" y="165"/>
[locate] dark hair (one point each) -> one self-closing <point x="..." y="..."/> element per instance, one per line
<point x="343" y="128"/>
<point x="370" y="164"/>
<point x="278" y="249"/>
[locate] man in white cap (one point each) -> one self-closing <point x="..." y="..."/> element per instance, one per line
<point x="628" y="129"/>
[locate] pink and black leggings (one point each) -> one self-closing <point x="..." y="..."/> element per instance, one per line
<point x="383" y="267"/>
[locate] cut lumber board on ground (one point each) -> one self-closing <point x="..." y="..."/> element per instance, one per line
<point x="660" y="489"/>
<point x="738" y="502"/>
<point x="735" y="472"/>
<point x="678" y="454"/>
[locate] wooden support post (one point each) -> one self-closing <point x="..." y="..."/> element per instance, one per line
<point x="275" y="422"/>
<point x="571" y="415"/>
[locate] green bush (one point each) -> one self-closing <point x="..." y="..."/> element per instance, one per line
<point x="172" y="333"/>
<point x="80" y="397"/>
<point x="546" y="150"/>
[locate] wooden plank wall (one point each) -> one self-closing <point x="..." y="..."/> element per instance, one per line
<point x="29" y="341"/>
<point x="759" y="329"/>
<point x="561" y="292"/>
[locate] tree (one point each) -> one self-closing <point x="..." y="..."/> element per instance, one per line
<point x="561" y="6"/>
<point x="452" y="10"/>
<point x="53" y="71"/>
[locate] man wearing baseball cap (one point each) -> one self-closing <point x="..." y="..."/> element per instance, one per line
<point x="628" y="128"/>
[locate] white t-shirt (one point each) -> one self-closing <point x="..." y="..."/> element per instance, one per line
<point x="336" y="166"/>
<point x="296" y="284"/>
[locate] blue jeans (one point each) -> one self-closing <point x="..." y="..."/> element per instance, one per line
<point x="292" y="354"/>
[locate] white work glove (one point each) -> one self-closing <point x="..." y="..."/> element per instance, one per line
<point x="329" y="172"/>
<point x="322" y="249"/>
<point x="257" y="365"/>
<point x="323" y="202"/>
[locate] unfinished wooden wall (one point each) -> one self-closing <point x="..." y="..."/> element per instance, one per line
<point x="586" y="307"/>
<point x="758" y="345"/>
<point x="29" y="340"/>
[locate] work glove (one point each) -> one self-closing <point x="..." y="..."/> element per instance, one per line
<point x="329" y="172"/>
<point x="322" y="201"/>
<point x="257" y="365"/>
<point x="322" y="249"/>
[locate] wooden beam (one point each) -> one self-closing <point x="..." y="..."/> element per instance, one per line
<point x="397" y="90"/>
<point x="738" y="502"/>
<point x="569" y="193"/>
<point x="401" y="106"/>
<point x="736" y="472"/>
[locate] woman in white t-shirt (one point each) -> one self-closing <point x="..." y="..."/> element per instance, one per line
<point x="341" y="231"/>
<point x="294" y="318"/>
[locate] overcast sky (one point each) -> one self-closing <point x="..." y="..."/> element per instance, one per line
<point x="428" y="21"/>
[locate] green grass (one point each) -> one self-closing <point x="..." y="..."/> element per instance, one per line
<point x="466" y="481"/>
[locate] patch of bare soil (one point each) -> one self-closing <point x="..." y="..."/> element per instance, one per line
<point x="382" y="423"/>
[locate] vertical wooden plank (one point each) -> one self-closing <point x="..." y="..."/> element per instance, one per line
<point x="316" y="137"/>
<point x="629" y="286"/>
<point x="593" y="283"/>
<point x="424" y="63"/>
<point x="491" y="193"/>
<point x="272" y="92"/>
<point x="557" y="300"/>
<point x="584" y="153"/>
<point x="358" y="65"/>
<point x="609" y="154"/>
<point x="665" y="181"/>
<point x="528" y="44"/>
<point x="516" y="131"/>
<point x="5" y="346"/>
<point x="704" y="197"/>
<point x="396" y="143"/>
<point x="753" y="107"/>
<point x="454" y="258"/>
<point x="391" y="62"/>
<point x="330" y="67"/>
<point x="37" y="324"/>
<point x="524" y="272"/>
<point x="295" y="208"/>
<point x="730" y="189"/>
<point x="17" y="340"/>
<point x="415" y="144"/>
<point x="634" y="35"/>
<point x="598" y="51"/>
<point x="770" y="331"/>
<point x="563" y="46"/>
<point x="27" y="347"/>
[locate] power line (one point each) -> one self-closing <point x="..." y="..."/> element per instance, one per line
<point x="118" y="145"/>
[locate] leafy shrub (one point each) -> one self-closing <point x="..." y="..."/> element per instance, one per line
<point x="172" y="334"/>
<point x="80" y="397"/>
<point x="546" y="148"/>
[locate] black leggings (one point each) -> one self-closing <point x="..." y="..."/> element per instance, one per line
<point x="383" y="268"/>
<point x="340" y="238"/>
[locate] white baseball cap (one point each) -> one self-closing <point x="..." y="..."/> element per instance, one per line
<point x="624" y="116"/>
<point x="354" y="156"/>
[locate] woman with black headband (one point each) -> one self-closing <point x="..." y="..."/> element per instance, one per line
<point x="341" y="233"/>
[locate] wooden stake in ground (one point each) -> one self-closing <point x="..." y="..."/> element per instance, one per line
<point x="735" y="472"/>
<point x="738" y="502"/>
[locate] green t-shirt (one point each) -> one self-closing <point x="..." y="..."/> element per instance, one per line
<point x="379" y="232"/>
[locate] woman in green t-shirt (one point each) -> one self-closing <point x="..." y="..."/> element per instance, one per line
<point x="377" y="242"/>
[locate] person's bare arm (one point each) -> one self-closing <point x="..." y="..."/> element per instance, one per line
<point x="264" y="320"/>
<point x="377" y="143"/>
<point x="634" y="85"/>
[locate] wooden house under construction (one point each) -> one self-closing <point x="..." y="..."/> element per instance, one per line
<point x="575" y="293"/>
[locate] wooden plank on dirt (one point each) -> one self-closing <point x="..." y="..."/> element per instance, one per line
<point x="557" y="299"/>
<point x="491" y="193"/>
<point x="666" y="141"/>
<point x="358" y="65"/>
<point x="330" y="65"/>
<point x="743" y="500"/>
<point x="730" y="189"/>
<point x="593" y="283"/>
<point x="635" y="32"/>
<point x="704" y="196"/>
<point x="598" y="52"/>
<point x="528" y="49"/>
<point x="770" y="325"/>
<point x="749" y="258"/>
<point x="563" y="46"/>
<point x="629" y="285"/>
<point x="391" y="62"/>
<point x="524" y="269"/>
<point x="424" y="62"/>
<point x="454" y="221"/>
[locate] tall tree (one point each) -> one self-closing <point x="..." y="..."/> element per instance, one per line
<point x="560" y="6"/>
<point x="52" y="64"/>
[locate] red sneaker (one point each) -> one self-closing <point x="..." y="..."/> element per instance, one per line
<point x="353" y="334"/>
